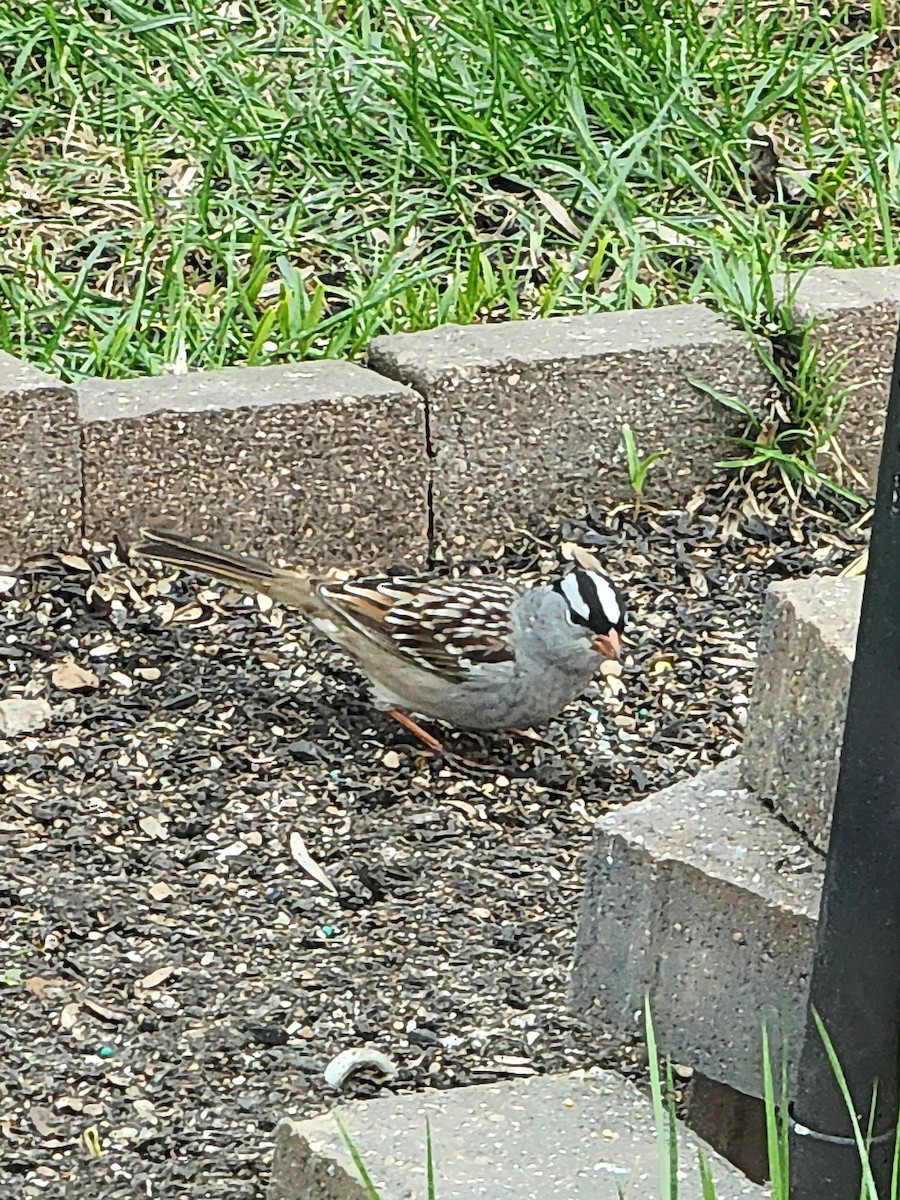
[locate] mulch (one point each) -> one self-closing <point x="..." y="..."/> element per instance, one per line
<point x="174" y="981"/>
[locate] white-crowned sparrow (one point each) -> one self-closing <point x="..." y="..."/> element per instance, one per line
<point x="479" y="653"/>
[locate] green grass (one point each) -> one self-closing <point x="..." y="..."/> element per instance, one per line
<point x="187" y="184"/>
<point x="775" y="1092"/>
<point x="797" y="425"/>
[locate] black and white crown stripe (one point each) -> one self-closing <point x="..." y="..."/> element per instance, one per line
<point x="592" y="601"/>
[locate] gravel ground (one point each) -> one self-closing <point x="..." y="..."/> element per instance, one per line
<point x="174" y="981"/>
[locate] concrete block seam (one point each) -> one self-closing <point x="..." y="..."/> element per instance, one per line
<point x="771" y="807"/>
<point x="855" y="290"/>
<point x="82" y="452"/>
<point x="430" y="454"/>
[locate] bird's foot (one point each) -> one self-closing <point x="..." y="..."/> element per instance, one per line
<point x="433" y="744"/>
<point x="528" y="735"/>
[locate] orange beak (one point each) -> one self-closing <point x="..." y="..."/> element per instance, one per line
<point x="608" y="644"/>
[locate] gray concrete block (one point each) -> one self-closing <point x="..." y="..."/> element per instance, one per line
<point x="40" y="463"/>
<point x="795" y="729"/>
<point x="323" y="463"/>
<point x="702" y="899"/>
<point x="856" y="312"/>
<point x="556" y="1137"/>
<point x="525" y="417"/>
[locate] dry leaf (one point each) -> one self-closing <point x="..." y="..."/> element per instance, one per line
<point x="155" y="978"/>
<point x="69" y="677"/>
<point x="667" y="234"/>
<point x="39" y="986"/>
<point x="583" y="558"/>
<point x="580" y="556"/>
<point x="190" y="612"/>
<point x="75" y="562"/>
<point x="557" y="212"/>
<point x="270" y="290"/>
<point x="858" y="567"/>
<point x="302" y="857"/>
<point x="695" y="503"/>
<point x="464" y="807"/>
<point x="101" y="1011"/>
<point x="165" y="612"/>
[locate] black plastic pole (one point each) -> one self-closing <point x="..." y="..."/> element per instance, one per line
<point x="855" y="985"/>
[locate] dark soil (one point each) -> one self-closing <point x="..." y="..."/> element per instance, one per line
<point x="173" y="982"/>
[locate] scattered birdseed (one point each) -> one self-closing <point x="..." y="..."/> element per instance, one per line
<point x="145" y="868"/>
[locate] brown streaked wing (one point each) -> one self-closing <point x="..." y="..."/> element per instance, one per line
<point x="444" y="625"/>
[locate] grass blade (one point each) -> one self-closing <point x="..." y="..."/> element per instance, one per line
<point x="365" y="1177"/>
<point x="430" y="1181"/>
<point x="661" y="1122"/>
<point x="870" y="1191"/>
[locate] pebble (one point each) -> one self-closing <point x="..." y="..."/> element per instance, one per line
<point x="457" y="965"/>
<point x="19" y="716"/>
<point x="422" y="1037"/>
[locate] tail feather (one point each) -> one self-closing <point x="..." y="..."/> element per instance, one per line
<point x="243" y="570"/>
